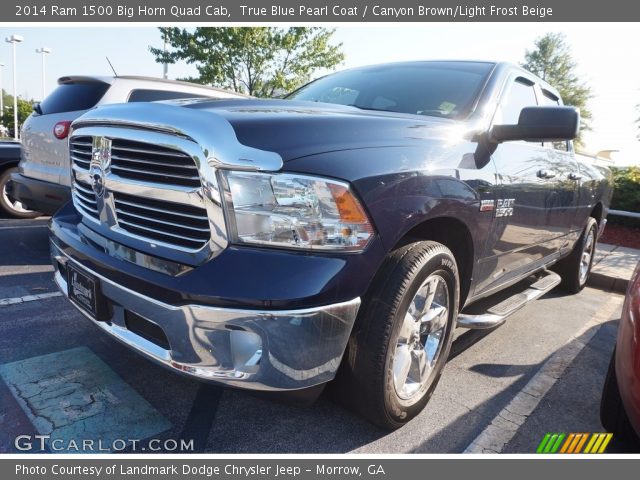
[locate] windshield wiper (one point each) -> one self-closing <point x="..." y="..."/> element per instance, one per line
<point x="372" y="108"/>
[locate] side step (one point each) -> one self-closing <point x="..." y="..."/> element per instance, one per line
<point x="496" y="314"/>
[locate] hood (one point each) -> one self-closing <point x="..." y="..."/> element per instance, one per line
<point x="296" y="129"/>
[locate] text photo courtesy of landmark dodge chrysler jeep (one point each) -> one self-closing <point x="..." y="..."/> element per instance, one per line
<point x="338" y="235"/>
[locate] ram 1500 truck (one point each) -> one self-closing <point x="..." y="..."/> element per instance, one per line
<point x="340" y="234"/>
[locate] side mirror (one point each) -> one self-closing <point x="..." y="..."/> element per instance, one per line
<point x="36" y="108"/>
<point x="540" y="124"/>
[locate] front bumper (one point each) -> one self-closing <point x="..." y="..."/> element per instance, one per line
<point x="253" y="349"/>
<point x="38" y="195"/>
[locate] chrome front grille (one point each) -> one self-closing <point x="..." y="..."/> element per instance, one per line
<point x="152" y="189"/>
<point x="162" y="221"/>
<point x="80" y="151"/>
<point x="142" y="161"/>
<point x="86" y="199"/>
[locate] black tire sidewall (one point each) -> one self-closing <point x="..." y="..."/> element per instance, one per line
<point x="399" y="410"/>
<point x="4" y="207"/>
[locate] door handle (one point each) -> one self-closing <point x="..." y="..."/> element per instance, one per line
<point x="575" y="176"/>
<point x="545" y="174"/>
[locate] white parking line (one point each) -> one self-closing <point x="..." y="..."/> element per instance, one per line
<point x="504" y="426"/>
<point x="28" y="298"/>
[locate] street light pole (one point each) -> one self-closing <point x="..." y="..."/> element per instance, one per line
<point x="43" y="51"/>
<point x="1" y="94"/>
<point x="13" y="39"/>
<point x="165" y="65"/>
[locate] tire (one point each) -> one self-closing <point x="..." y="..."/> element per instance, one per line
<point x="13" y="209"/>
<point x="572" y="269"/>
<point x="612" y="414"/>
<point x="388" y="344"/>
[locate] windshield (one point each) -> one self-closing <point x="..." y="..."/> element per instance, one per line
<point x="441" y="89"/>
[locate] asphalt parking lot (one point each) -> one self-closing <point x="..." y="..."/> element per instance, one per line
<point x="60" y="376"/>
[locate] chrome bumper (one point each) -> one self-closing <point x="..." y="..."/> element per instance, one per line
<point x="257" y="350"/>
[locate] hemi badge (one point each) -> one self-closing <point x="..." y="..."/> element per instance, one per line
<point x="487" y="205"/>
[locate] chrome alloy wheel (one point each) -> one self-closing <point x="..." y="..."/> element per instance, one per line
<point x="13" y="204"/>
<point x="420" y="339"/>
<point x="585" y="259"/>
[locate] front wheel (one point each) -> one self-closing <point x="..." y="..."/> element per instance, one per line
<point x="402" y="336"/>
<point x="575" y="268"/>
<point x="9" y="206"/>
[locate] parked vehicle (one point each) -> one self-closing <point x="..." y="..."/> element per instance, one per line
<point x="9" y="158"/>
<point x="620" y="406"/>
<point x="43" y="182"/>
<point x="341" y="233"/>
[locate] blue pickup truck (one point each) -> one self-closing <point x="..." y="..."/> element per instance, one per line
<point x="338" y="235"/>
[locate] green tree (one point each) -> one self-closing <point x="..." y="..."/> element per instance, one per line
<point x="259" y="61"/>
<point x="551" y="60"/>
<point x="25" y="107"/>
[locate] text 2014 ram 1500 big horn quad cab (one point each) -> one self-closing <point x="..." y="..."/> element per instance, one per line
<point x="339" y="234"/>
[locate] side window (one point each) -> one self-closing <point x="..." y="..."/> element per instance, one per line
<point x="520" y="95"/>
<point x="147" y="95"/>
<point x="549" y="99"/>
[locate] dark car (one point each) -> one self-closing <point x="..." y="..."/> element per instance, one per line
<point x="620" y="407"/>
<point x="342" y="233"/>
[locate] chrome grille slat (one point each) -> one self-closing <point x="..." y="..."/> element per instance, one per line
<point x="137" y="160"/>
<point x="151" y="162"/>
<point x="84" y="188"/>
<point x="85" y="197"/>
<point x="203" y="218"/>
<point x="123" y="213"/>
<point x="81" y="162"/>
<point x="173" y="176"/>
<point x="87" y="212"/>
<point x="93" y="210"/>
<point x="149" y="152"/>
<point x="159" y="232"/>
<point x="81" y="152"/>
<point x="153" y="192"/>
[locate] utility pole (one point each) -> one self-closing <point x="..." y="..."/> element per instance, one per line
<point x="43" y="51"/>
<point x="13" y="39"/>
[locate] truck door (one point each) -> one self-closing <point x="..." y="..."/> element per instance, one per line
<point x="520" y="230"/>
<point x="564" y="184"/>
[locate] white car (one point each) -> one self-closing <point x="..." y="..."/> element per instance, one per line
<point x="42" y="182"/>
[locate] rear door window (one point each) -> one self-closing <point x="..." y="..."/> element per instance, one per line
<point x="70" y="97"/>
<point x="148" y="95"/>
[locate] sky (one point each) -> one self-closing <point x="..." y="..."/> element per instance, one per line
<point x="605" y="54"/>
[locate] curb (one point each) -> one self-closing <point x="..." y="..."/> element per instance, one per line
<point x="607" y="282"/>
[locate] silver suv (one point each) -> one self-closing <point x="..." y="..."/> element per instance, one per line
<point x="42" y="182"/>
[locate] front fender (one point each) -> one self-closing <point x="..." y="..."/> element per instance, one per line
<point x="403" y="187"/>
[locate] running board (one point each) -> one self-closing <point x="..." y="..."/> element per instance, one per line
<point x="495" y="315"/>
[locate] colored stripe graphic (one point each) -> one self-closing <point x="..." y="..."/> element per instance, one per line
<point x="603" y="447"/>
<point x="582" y="442"/>
<point x="592" y="440"/>
<point x="568" y="442"/>
<point x="543" y="443"/>
<point x="556" y="446"/>
<point x="573" y="443"/>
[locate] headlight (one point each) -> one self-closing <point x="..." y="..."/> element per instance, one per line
<point x="288" y="210"/>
